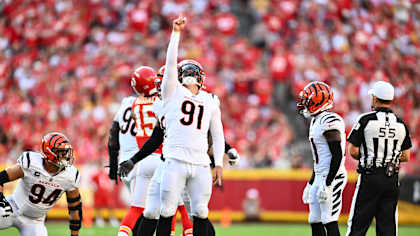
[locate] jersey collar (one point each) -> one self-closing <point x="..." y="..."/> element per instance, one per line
<point x="383" y="109"/>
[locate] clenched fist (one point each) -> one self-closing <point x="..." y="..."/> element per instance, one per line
<point x="179" y="23"/>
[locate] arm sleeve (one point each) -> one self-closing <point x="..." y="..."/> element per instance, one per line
<point x="150" y="145"/>
<point x="336" y="157"/>
<point x="216" y="130"/>
<point x="113" y="148"/>
<point x="170" y="77"/>
<point x="227" y="146"/>
<point x="76" y="180"/>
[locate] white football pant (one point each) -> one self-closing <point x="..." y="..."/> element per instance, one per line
<point x="198" y="182"/>
<point x="26" y="226"/>
<point x="329" y="210"/>
<point x="138" y="179"/>
<point x="152" y="210"/>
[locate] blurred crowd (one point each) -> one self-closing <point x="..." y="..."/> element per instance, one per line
<point x="65" y="66"/>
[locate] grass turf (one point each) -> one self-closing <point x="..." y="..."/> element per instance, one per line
<point x="58" y="229"/>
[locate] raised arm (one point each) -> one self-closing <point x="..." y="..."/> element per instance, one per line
<point x="170" y="77"/>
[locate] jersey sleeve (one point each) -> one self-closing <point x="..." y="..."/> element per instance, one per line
<point x="24" y="161"/>
<point x="356" y="133"/>
<point x="120" y="110"/>
<point x="74" y="178"/>
<point x="332" y="122"/>
<point x="407" y="140"/>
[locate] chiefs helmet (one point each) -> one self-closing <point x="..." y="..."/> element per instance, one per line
<point x="56" y="149"/>
<point x="191" y="72"/>
<point x="314" y="98"/>
<point x="143" y="81"/>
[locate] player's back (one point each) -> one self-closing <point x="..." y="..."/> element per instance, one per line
<point x="323" y="122"/>
<point x="38" y="191"/>
<point x="128" y="131"/>
<point x="145" y="119"/>
<point x="187" y="122"/>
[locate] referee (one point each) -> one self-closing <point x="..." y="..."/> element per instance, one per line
<point x="380" y="141"/>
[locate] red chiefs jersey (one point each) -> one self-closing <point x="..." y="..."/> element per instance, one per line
<point x="145" y="119"/>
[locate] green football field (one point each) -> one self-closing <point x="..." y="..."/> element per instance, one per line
<point x="58" y="229"/>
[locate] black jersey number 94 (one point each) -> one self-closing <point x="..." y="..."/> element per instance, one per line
<point x="189" y="108"/>
<point x="37" y="195"/>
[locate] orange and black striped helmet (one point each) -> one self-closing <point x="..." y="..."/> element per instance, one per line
<point x="314" y="98"/>
<point x="56" y="149"/>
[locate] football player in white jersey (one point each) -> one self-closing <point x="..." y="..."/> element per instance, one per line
<point x="43" y="178"/>
<point x="143" y="112"/>
<point x="189" y="114"/>
<point x="125" y="137"/>
<point x="327" y="136"/>
<point x="151" y="213"/>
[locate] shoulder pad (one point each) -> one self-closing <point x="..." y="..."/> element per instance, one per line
<point x="30" y="159"/>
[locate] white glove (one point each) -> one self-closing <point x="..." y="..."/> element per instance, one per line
<point x="324" y="193"/>
<point x="306" y="194"/>
<point x="233" y="156"/>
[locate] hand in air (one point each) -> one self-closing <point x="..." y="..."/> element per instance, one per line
<point x="179" y="23"/>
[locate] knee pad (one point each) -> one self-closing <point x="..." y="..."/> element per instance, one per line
<point x="167" y="210"/>
<point x="168" y="205"/>
<point x="201" y="212"/>
<point x="152" y="213"/>
<point x="313" y="218"/>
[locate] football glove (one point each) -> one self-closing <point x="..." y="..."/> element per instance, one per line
<point x="306" y="194"/>
<point x="233" y="156"/>
<point x="324" y="193"/>
<point x="125" y="168"/>
<point x="5" y="208"/>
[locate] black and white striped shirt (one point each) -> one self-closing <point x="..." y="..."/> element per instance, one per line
<point x="381" y="136"/>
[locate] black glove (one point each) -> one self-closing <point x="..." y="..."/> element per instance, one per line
<point x="125" y="167"/>
<point x="233" y="156"/>
<point x="5" y="208"/>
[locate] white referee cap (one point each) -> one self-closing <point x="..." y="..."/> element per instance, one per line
<point x="382" y="90"/>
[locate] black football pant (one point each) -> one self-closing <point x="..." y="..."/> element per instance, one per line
<point x="376" y="195"/>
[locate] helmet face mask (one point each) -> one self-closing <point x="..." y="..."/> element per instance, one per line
<point x="191" y="72"/>
<point x="64" y="157"/>
<point x="158" y="83"/>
